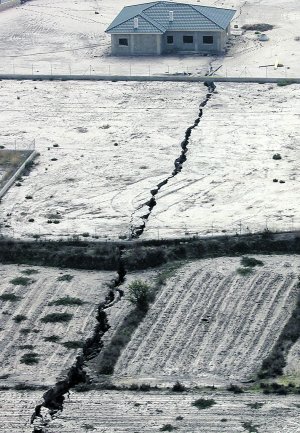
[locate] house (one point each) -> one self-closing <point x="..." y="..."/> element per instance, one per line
<point x="162" y="27"/>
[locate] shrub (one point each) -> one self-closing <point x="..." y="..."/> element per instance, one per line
<point x="66" y="277"/>
<point x="29" y="358"/>
<point x="178" y="387"/>
<point x="26" y="347"/>
<point x="134" y="387"/>
<point x="9" y="297"/>
<point x="19" y="318"/>
<point x="260" y="27"/>
<point x="276" y="156"/>
<point x="52" y="338"/>
<point x="30" y="271"/>
<point x="139" y="294"/>
<point x="57" y="317"/>
<point x="203" y="403"/>
<point x="73" y="344"/>
<point x="88" y="427"/>
<point x="25" y="331"/>
<point x="21" y="281"/>
<point x="145" y="387"/>
<point x="235" y="389"/>
<point x="282" y="83"/>
<point x="168" y="427"/>
<point x="255" y="405"/>
<point x="67" y="300"/>
<point x="250" y="427"/>
<point x="244" y="271"/>
<point x="251" y="262"/>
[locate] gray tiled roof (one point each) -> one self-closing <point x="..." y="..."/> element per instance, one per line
<point x="154" y="18"/>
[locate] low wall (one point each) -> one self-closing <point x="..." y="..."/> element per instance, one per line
<point x="9" y="4"/>
<point x="175" y="78"/>
<point x="19" y="171"/>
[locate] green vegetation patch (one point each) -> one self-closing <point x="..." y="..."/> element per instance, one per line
<point x="19" y="318"/>
<point x="255" y="405"/>
<point x="248" y="426"/>
<point x="203" y="403"/>
<point x="67" y="300"/>
<point x="30" y="271"/>
<point x="30" y="358"/>
<point x="283" y="83"/>
<point x="9" y="297"/>
<point x="88" y="427"/>
<point x="52" y="338"/>
<point x="244" y="271"/>
<point x="168" y="427"/>
<point x="26" y="347"/>
<point x="251" y="262"/>
<point x="140" y="295"/>
<point x="25" y="331"/>
<point x="57" y="318"/>
<point x="73" y="344"/>
<point x="21" y="281"/>
<point x="66" y="277"/>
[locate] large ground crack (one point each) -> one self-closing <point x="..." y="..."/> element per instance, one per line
<point x="136" y="230"/>
<point x="54" y="398"/>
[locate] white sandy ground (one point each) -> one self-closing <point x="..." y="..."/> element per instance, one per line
<point x="127" y="412"/>
<point x="211" y="326"/>
<point x="94" y="185"/>
<point x="48" y="35"/>
<point x="16" y="409"/>
<point x="54" y="359"/>
<point x="226" y="185"/>
<point x="90" y="185"/>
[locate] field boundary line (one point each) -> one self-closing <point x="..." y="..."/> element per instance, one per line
<point x="171" y="78"/>
<point x="13" y="178"/>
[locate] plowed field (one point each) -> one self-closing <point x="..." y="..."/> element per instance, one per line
<point x="211" y="325"/>
<point x="127" y="412"/>
<point x="22" y="330"/>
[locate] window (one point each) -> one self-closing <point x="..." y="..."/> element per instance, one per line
<point x="188" y="39"/>
<point x="170" y="39"/>
<point x="123" y="41"/>
<point x="208" y="39"/>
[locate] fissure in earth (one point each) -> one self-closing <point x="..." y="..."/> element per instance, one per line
<point x="54" y="398"/>
<point x="137" y="231"/>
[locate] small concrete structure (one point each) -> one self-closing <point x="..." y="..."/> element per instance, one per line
<point x="163" y="27"/>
